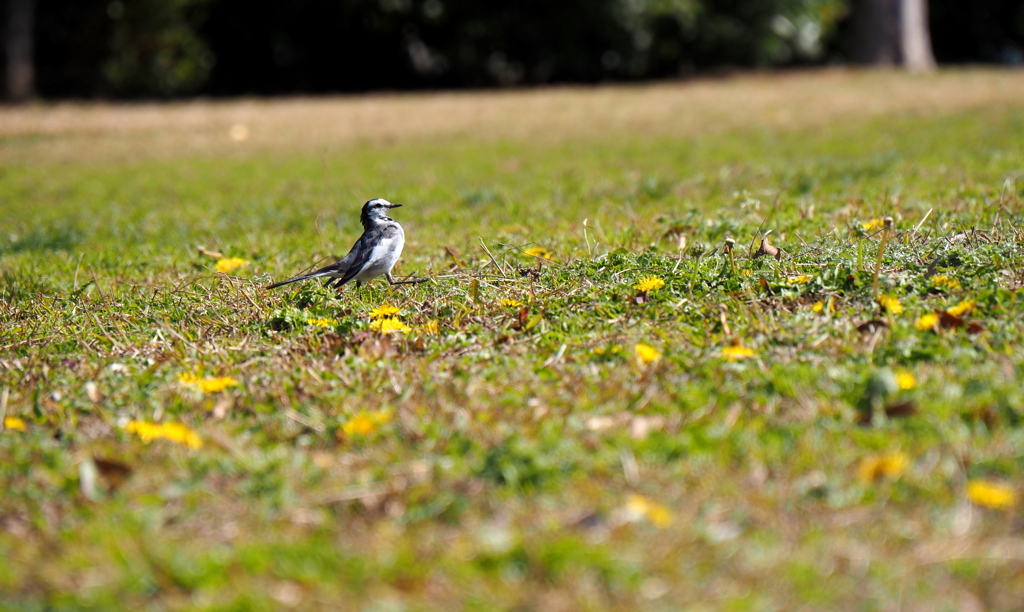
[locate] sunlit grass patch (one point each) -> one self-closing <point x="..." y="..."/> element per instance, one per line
<point x="606" y="396"/>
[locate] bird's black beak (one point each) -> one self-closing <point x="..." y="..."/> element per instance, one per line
<point x="395" y="206"/>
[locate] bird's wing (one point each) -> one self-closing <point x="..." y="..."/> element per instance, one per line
<point x="361" y="256"/>
<point x="372" y="250"/>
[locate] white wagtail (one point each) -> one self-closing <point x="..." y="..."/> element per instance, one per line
<point x="372" y="256"/>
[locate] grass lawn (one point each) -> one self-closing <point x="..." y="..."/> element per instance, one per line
<point x="602" y="400"/>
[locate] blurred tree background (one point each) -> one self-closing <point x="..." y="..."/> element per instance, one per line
<point x="176" y="48"/>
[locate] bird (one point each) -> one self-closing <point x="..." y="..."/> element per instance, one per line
<point x="372" y="256"/>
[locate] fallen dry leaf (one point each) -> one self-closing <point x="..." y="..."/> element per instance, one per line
<point x="948" y="321"/>
<point x="205" y="252"/>
<point x="223" y="407"/>
<point x="868" y="327"/>
<point x="769" y="250"/>
<point x="114" y="473"/>
<point x="893" y="411"/>
<point x="377" y="347"/>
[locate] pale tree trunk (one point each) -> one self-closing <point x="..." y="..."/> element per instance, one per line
<point x="891" y="33"/>
<point x="917" y="41"/>
<point x="18" y="48"/>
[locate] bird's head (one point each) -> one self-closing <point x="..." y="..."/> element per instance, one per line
<point x="376" y="211"/>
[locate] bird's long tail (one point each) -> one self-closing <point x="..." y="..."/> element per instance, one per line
<point x="302" y="277"/>
<point x="288" y="282"/>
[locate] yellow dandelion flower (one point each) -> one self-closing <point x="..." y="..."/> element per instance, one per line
<point x="14" y="423"/>
<point x="228" y="265"/>
<point x="321" y="322"/>
<point x="540" y="252"/>
<point x="175" y="432"/>
<point x="639" y="507"/>
<point x="384" y="311"/>
<point x="891" y="465"/>
<point x="510" y="303"/>
<point x="891" y="304"/>
<point x="430" y="327"/>
<point x="737" y="352"/>
<point x="389" y="325"/>
<point x="207" y="385"/>
<point x="799" y="280"/>
<point x="746" y="272"/>
<point x="647" y="354"/>
<point x="649" y="283"/>
<point x="365" y="423"/>
<point x="962" y="308"/>
<point x="942" y="281"/>
<point x="991" y="494"/>
<point x="905" y="380"/>
<point x="608" y="351"/>
<point x="819" y="307"/>
<point x="873" y="224"/>
<point x="927" y="322"/>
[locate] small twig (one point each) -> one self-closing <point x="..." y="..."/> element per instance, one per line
<point x="629" y="467"/>
<point x="679" y="260"/>
<point x="493" y="261"/>
<point x="555" y="358"/>
<point x="353" y="494"/>
<point x="585" y="238"/>
<point x="923" y="219"/>
<point x="301" y="420"/>
<point x="886" y="236"/>
<point x="775" y="204"/>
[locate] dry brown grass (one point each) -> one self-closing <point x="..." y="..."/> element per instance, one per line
<point x="100" y="131"/>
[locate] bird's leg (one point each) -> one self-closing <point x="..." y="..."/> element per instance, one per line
<point x="411" y="281"/>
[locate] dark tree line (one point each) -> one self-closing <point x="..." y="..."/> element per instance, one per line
<point x="173" y="48"/>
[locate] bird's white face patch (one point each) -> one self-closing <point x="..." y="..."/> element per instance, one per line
<point x="376" y="210"/>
